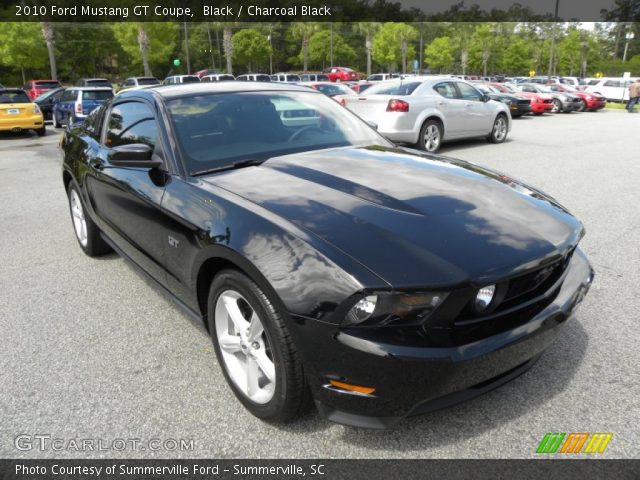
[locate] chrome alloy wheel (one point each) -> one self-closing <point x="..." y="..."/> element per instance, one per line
<point x="79" y="222"/>
<point x="431" y="138"/>
<point x="245" y="348"/>
<point x="500" y="128"/>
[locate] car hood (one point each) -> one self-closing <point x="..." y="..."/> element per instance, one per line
<point x="414" y="220"/>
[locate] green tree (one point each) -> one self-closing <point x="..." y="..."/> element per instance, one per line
<point x="517" y="58"/>
<point x="250" y="47"/>
<point x="320" y="46"/>
<point x="482" y="45"/>
<point x="368" y="31"/>
<point x="22" y="46"/>
<point x="392" y="45"/>
<point x="147" y="43"/>
<point x="439" y="54"/>
<point x="302" y="31"/>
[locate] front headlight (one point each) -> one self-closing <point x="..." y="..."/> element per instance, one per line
<point x="507" y="102"/>
<point x="393" y="309"/>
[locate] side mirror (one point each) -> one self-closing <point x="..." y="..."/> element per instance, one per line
<point x="485" y="98"/>
<point x="134" y="155"/>
<point x="372" y="124"/>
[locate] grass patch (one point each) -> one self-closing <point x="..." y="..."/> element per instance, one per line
<point x="616" y="105"/>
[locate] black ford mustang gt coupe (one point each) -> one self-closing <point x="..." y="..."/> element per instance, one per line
<point x="328" y="264"/>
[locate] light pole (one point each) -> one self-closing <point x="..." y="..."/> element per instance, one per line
<point x="270" y="54"/>
<point x="583" y="64"/>
<point x="553" y="40"/>
<point x="628" y="37"/>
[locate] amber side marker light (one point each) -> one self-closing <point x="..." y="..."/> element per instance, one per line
<point x="352" y="388"/>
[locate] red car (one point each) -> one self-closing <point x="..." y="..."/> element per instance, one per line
<point x="35" y="88"/>
<point x="590" y="101"/>
<point x="341" y="74"/>
<point x="540" y="102"/>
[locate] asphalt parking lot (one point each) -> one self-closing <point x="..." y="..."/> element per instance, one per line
<point x="91" y="351"/>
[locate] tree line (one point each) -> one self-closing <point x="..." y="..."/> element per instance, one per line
<point x="71" y="50"/>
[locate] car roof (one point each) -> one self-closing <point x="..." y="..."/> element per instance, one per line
<point x="187" y="89"/>
<point x="90" y="89"/>
<point x="8" y="89"/>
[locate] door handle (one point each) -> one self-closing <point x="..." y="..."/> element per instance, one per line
<point x="442" y="103"/>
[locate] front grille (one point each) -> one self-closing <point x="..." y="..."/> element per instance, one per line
<point x="520" y="292"/>
<point x="547" y="101"/>
<point x="524" y="102"/>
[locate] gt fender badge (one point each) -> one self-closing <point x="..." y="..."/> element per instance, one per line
<point x="173" y="242"/>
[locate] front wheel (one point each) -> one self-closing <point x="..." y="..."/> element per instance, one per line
<point x="255" y="350"/>
<point x="499" y="131"/>
<point x="583" y="106"/>
<point x="557" y="106"/>
<point x="430" y="136"/>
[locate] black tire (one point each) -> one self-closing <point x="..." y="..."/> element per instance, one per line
<point x="291" y="397"/>
<point x="42" y="131"/>
<point x="94" y="245"/>
<point x="499" y="130"/>
<point x="430" y="127"/>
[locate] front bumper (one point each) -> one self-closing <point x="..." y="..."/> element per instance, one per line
<point x="413" y="380"/>
<point x="596" y="104"/>
<point x="541" y="107"/>
<point x="517" y="110"/>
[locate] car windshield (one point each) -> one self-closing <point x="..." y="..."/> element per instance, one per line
<point x="46" y="94"/>
<point x="14" y="97"/>
<point x="484" y="88"/>
<point x="393" y="88"/>
<point x="148" y="81"/>
<point x="217" y="130"/>
<point x="98" y="82"/>
<point x="332" y="89"/>
<point x="96" y="95"/>
<point x="46" y="85"/>
<point x="510" y="88"/>
<point x="190" y="79"/>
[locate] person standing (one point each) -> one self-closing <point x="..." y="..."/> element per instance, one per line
<point x="634" y="95"/>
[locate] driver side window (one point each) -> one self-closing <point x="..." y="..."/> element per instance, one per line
<point x="129" y="123"/>
<point x="469" y="93"/>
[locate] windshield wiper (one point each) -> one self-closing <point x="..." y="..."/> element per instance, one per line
<point x="248" y="162"/>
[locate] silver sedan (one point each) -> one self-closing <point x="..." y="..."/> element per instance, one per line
<point x="425" y="111"/>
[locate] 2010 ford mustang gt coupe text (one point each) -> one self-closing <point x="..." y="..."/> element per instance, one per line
<point x="328" y="264"/>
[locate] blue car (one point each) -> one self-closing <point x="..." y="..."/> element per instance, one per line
<point x="77" y="102"/>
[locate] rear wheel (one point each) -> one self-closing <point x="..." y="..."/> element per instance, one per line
<point x="430" y="136"/>
<point x="499" y="131"/>
<point x="54" y="118"/>
<point x="87" y="233"/>
<point x="254" y="348"/>
<point x="583" y="106"/>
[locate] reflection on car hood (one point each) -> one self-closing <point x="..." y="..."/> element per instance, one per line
<point x="414" y="220"/>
